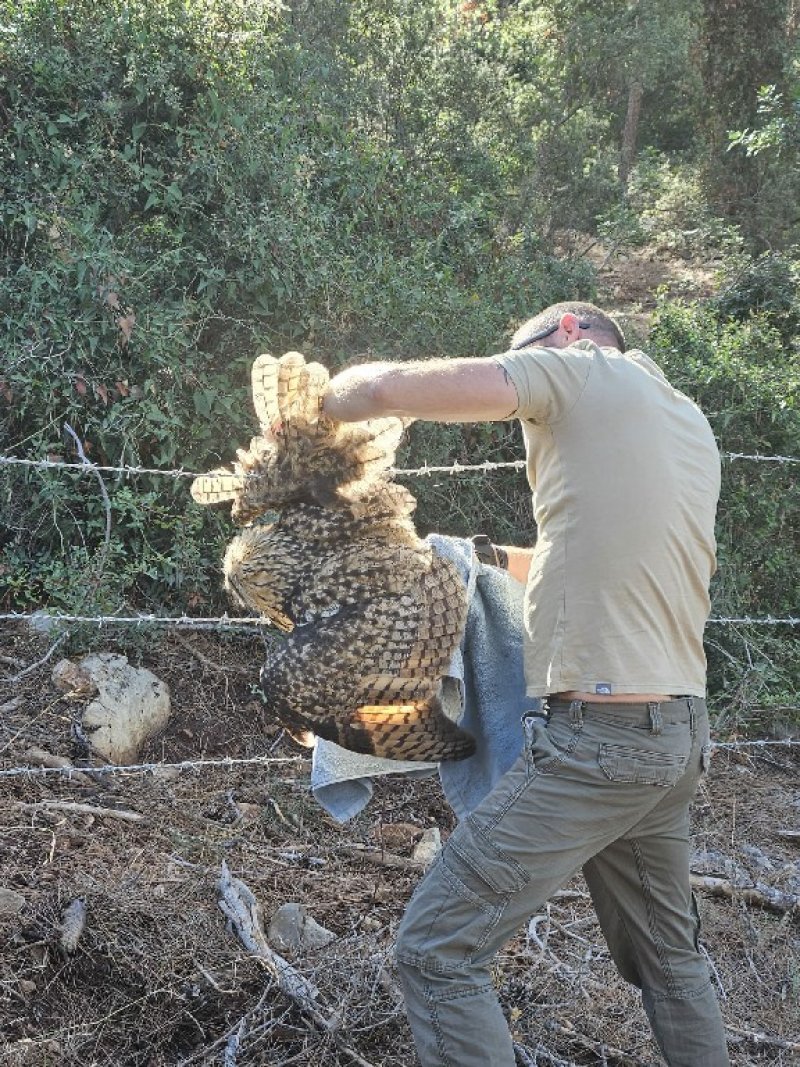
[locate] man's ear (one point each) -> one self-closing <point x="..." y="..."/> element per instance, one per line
<point x="569" y="323"/>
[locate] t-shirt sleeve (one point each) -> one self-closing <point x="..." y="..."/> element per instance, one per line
<point x="548" y="381"/>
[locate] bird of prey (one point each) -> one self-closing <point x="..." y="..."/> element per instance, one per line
<point x="372" y="615"/>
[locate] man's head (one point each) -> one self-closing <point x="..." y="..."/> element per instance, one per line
<point x="561" y="325"/>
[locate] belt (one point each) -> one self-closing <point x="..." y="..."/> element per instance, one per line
<point x="648" y="712"/>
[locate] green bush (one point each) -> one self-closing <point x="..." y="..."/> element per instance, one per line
<point x="746" y="378"/>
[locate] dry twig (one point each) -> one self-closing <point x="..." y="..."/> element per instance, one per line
<point x="244" y="912"/>
<point x="756" y="1038"/>
<point x="765" y="895"/>
<point x="82" y="809"/>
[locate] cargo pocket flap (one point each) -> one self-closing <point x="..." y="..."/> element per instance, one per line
<point x="621" y="763"/>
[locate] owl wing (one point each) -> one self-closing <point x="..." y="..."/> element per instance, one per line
<point x="300" y="453"/>
<point x="366" y="672"/>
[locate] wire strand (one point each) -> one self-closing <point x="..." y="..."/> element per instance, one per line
<point x="424" y="471"/>
<point x="44" y="621"/>
<point x="141" y="768"/>
<point x="228" y="763"/>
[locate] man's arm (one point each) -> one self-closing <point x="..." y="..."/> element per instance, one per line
<point x="439" y="390"/>
<point x="519" y="562"/>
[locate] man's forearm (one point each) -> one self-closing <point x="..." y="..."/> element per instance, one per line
<point x="519" y="562"/>
<point x="354" y="394"/>
<point x="438" y="390"/>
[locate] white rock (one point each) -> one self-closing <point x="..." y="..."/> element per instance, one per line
<point x="292" y="929"/>
<point x="428" y="847"/>
<point x="132" y="704"/>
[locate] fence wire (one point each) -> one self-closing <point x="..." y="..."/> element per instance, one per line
<point x="45" y="621"/>
<point x="229" y="763"/>
<point x="425" y="470"/>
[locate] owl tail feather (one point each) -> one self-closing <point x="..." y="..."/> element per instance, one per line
<point x="406" y="732"/>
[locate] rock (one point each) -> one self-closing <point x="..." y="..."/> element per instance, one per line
<point x="428" y="847"/>
<point x="11" y="902"/>
<point x="73" y="680"/>
<point x="293" y="930"/>
<point x="132" y="705"/>
<point x="397" y="836"/>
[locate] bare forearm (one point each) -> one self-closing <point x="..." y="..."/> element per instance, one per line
<point x="441" y="390"/>
<point x="358" y="393"/>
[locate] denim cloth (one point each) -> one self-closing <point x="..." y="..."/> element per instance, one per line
<point x="602" y="787"/>
<point x="484" y="690"/>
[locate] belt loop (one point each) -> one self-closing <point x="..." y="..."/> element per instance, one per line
<point x="656" y="722"/>
<point x="576" y="714"/>
<point x="692" y="722"/>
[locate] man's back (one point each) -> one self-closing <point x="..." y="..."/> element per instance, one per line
<point x="625" y="478"/>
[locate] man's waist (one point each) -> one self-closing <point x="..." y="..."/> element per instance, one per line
<point x="643" y="712"/>
<point x="620" y="698"/>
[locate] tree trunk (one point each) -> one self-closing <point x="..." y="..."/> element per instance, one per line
<point x="630" y="132"/>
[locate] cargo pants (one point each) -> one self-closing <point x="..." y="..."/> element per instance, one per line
<point x="602" y="787"/>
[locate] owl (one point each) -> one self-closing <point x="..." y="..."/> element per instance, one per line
<point x="371" y="615"/>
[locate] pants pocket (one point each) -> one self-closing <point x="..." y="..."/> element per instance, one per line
<point x="485" y="869"/>
<point x="624" y="763"/>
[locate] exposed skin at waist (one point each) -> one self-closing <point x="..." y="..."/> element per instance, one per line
<point x="621" y="698"/>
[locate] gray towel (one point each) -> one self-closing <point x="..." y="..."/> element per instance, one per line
<point x="485" y="679"/>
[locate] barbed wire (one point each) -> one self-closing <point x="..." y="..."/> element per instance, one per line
<point x="229" y="762"/>
<point x="423" y="471"/>
<point x="139" y="768"/>
<point x="87" y="467"/>
<point x="44" y="621"/>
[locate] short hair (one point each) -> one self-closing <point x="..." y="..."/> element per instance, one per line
<point x="546" y="322"/>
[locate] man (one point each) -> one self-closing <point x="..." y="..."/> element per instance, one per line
<point x="625" y="478"/>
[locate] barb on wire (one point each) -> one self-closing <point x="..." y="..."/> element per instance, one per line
<point x="141" y="768"/>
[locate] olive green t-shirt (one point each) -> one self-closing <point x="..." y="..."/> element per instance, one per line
<point x="625" y="475"/>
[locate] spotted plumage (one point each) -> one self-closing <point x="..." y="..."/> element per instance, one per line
<point x="372" y="615"/>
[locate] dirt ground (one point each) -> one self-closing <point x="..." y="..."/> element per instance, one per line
<point x="157" y="976"/>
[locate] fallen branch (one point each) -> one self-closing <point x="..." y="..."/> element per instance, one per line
<point x="83" y="809"/>
<point x="244" y="912"/>
<point x="381" y="858"/>
<point x="40" y="662"/>
<point x="775" y="899"/>
<point x="764" y="1039"/>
